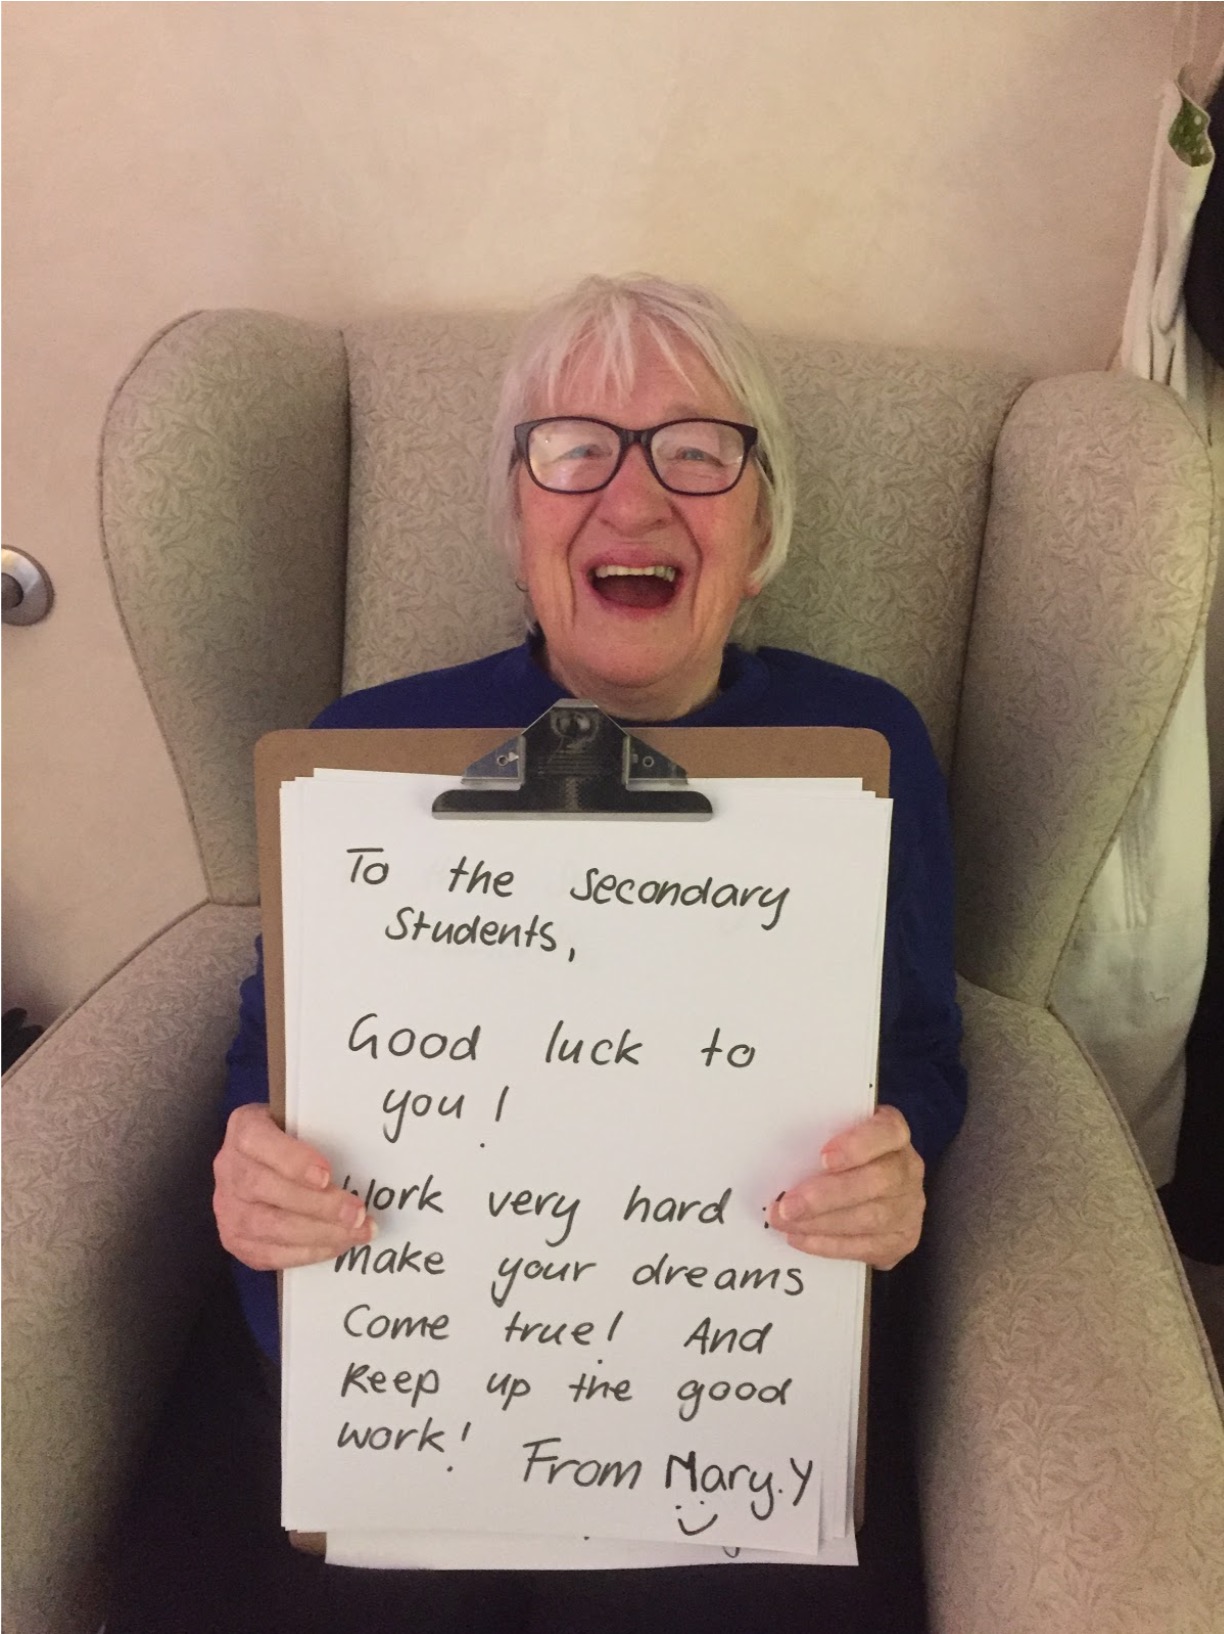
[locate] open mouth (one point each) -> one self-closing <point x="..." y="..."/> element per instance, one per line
<point x="645" y="587"/>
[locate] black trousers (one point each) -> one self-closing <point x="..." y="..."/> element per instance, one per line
<point x="201" y="1550"/>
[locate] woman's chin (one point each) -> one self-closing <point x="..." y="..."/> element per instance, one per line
<point x="635" y="686"/>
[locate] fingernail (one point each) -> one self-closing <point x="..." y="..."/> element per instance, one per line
<point x="833" y="1159"/>
<point x="317" y="1175"/>
<point x="352" y="1215"/>
<point x="790" y="1208"/>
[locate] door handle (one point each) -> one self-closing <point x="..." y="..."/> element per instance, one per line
<point x="25" y="589"/>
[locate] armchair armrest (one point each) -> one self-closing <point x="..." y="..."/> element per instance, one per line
<point x="110" y="1123"/>
<point x="1071" y="1426"/>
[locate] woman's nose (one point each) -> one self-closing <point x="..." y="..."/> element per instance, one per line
<point x="635" y="497"/>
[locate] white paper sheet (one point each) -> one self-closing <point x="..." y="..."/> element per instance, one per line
<point x="487" y="1551"/>
<point x="514" y="1054"/>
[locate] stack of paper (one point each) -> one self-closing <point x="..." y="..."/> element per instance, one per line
<point x="567" y="1066"/>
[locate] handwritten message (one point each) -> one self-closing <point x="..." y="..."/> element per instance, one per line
<point x="566" y="1067"/>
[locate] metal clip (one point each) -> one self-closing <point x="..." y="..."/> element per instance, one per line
<point x="574" y="761"/>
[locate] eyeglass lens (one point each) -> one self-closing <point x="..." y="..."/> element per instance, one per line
<point x="690" y="457"/>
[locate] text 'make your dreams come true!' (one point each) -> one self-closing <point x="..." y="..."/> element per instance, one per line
<point x="567" y="1066"/>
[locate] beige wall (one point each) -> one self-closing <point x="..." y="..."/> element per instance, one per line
<point x="968" y="174"/>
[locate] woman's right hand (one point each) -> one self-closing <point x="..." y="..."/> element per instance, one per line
<point x="274" y="1199"/>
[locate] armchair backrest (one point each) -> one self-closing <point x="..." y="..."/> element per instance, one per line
<point x="288" y="510"/>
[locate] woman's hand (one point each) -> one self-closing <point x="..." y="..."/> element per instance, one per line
<point x="869" y="1202"/>
<point x="274" y="1199"/>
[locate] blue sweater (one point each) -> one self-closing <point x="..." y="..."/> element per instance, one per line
<point x="920" y="1071"/>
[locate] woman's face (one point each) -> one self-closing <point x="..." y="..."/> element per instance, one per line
<point x="642" y="648"/>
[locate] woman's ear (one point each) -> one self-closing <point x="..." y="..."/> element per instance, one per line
<point x="515" y="542"/>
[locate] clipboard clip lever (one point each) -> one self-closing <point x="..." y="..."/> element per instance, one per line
<point x="574" y="761"/>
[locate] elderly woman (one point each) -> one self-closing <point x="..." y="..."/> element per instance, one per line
<point x="642" y="485"/>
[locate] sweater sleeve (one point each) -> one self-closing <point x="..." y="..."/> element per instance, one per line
<point x="246" y="1063"/>
<point x="920" y="1025"/>
<point x="246" y="1080"/>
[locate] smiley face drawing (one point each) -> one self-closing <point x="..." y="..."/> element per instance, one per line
<point x="694" y="1531"/>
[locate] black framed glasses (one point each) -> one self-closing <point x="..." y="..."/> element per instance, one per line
<point x="570" y="455"/>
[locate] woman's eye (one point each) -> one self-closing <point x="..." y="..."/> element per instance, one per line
<point x="588" y="448"/>
<point x="693" y="454"/>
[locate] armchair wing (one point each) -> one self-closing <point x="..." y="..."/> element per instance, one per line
<point x="110" y="1122"/>
<point x="1071" y="1440"/>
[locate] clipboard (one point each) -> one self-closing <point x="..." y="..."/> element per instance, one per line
<point x="481" y="757"/>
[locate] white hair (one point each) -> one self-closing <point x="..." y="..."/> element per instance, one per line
<point x="602" y="322"/>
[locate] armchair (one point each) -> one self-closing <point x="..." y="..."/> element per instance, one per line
<point x="288" y="510"/>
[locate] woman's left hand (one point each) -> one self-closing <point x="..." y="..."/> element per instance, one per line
<point x="869" y="1201"/>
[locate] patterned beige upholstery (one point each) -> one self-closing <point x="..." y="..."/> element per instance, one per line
<point x="1072" y="1452"/>
<point x="224" y="482"/>
<point x="1074" y="658"/>
<point x="1029" y="562"/>
<point x="110" y="1122"/>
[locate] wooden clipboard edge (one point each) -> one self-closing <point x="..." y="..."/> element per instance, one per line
<point x="703" y="751"/>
